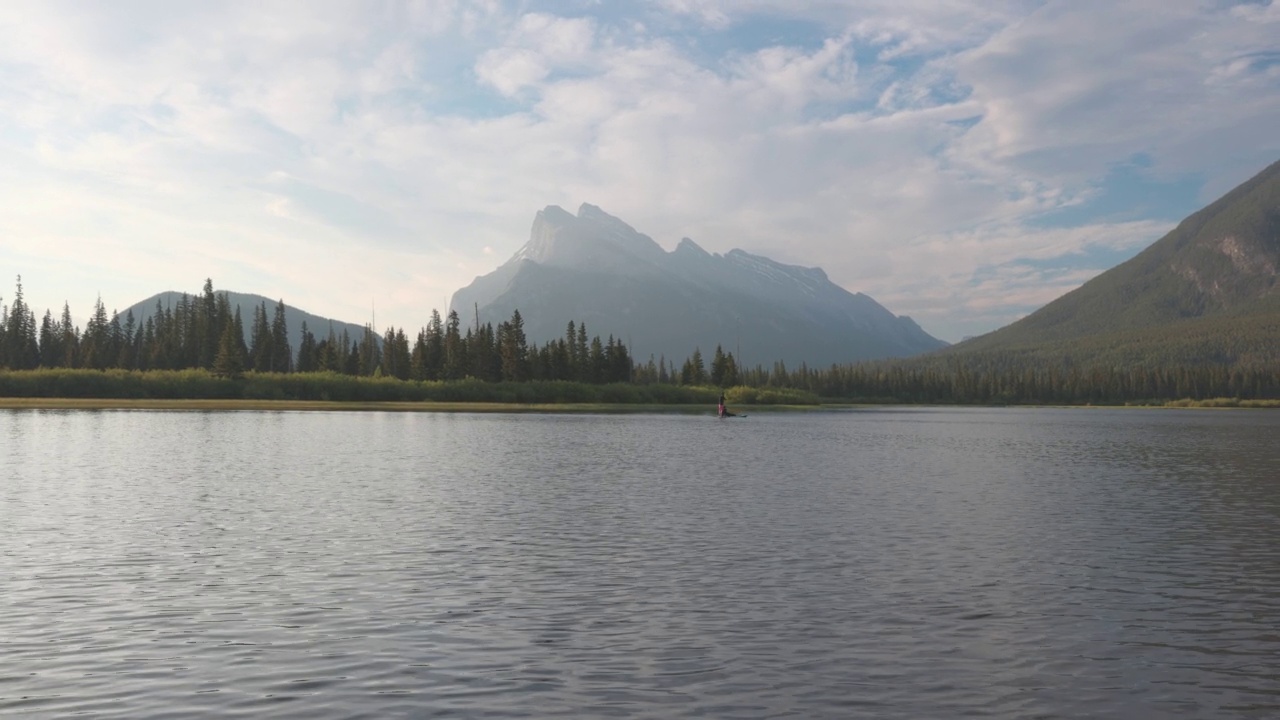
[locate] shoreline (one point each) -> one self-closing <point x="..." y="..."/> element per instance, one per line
<point x="40" y="403"/>
<point x="242" y="405"/>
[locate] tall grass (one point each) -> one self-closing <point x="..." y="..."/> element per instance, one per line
<point x="1224" y="403"/>
<point x="203" y="385"/>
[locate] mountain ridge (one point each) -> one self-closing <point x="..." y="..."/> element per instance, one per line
<point x="246" y="302"/>
<point x="593" y="267"/>
<point x="1218" y="264"/>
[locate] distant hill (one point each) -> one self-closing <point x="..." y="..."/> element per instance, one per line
<point x="1205" y="293"/>
<point x="594" y="268"/>
<point x="293" y="317"/>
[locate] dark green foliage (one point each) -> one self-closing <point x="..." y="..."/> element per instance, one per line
<point x="581" y="357"/>
<point x="260" y="345"/>
<point x="229" y="361"/>
<point x="209" y="329"/>
<point x="693" y="372"/>
<point x="128" y="345"/>
<point x="1225" y="356"/>
<point x="513" y="349"/>
<point x="396" y="358"/>
<point x="307" y="357"/>
<point x="724" y="369"/>
<point x="51" y="352"/>
<point x="95" y="347"/>
<point x="281" y="357"/>
<point x="367" y="354"/>
<point x="427" y="359"/>
<point x="19" y="346"/>
<point x="69" y="347"/>
<point x="202" y="384"/>
<point x="455" y="356"/>
<point x="115" y="383"/>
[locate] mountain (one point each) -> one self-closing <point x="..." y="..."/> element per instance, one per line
<point x="293" y="317"/>
<point x="1205" y="293"/>
<point x="594" y="268"/>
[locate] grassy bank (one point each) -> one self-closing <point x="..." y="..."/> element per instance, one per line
<point x="322" y="405"/>
<point x="345" y="391"/>
<point x="1223" y="403"/>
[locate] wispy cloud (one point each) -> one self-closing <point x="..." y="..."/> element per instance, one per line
<point x="327" y="152"/>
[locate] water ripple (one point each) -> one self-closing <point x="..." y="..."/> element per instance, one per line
<point x="916" y="563"/>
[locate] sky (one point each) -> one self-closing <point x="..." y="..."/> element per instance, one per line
<point x="960" y="161"/>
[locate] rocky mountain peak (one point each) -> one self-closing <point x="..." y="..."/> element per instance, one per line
<point x="548" y="224"/>
<point x="592" y="237"/>
<point x="690" y="248"/>
<point x="595" y="268"/>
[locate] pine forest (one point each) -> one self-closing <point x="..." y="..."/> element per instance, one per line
<point x="199" y="348"/>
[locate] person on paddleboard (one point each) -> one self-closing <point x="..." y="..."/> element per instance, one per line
<point x="721" y="410"/>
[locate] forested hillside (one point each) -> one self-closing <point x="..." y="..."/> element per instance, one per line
<point x="1205" y="293"/>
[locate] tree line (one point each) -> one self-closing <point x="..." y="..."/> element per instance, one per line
<point x="204" y="332"/>
<point x="985" y="380"/>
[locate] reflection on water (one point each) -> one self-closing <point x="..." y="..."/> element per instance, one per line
<point x="895" y="563"/>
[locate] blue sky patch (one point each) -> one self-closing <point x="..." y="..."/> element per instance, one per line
<point x="1129" y="192"/>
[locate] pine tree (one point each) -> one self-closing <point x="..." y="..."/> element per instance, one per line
<point x="732" y="376"/>
<point x="368" y="356"/>
<point x="698" y="372"/>
<point x="595" y="361"/>
<point x="146" y="341"/>
<point x="455" y="359"/>
<point x="618" y="361"/>
<point x="718" y="367"/>
<point x="342" y="355"/>
<point x="4" y="336"/>
<point x="482" y="353"/>
<point x="260" y="345"/>
<point x="126" y="358"/>
<point x="70" y="338"/>
<point x="395" y="354"/>
<point x="582" y="357"/>
<point x="239" y="324"/>
<point x="51" y="354"/>
<point x="561" y="367"/>
<point x="230" y="358"/>
<point x="418" y="357"/>
<point x="435" y="353"/>
<point x="21" y="347"/>
<point x="281" y="353"/>
<point x="186" y="333"/>
<point x="307" y="360"/>
<point x="210" y="329"/>
<point x="328" y="353"/>
<point x="514" y="349"/>
<point x="351" y="359"/>
<point x="571" y="345"/>
<point x="95" y="347"/>
<point x="158" y="353"/>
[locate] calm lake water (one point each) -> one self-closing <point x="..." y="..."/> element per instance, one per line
<point x="917" y="563"/>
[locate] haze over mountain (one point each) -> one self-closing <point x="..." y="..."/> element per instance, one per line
<point x="594" y="268"/>
<point x="1204" y="293"/>
<point x="293" y="317"/>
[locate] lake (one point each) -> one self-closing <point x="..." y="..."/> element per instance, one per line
<point x="887" y="563"/>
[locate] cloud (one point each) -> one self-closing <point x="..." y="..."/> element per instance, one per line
<point x="536" y="46"/>
<point x="326" y="151"/>
<point x="1069" y="89"/>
